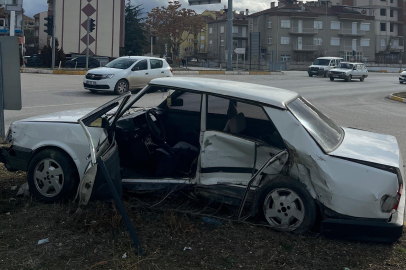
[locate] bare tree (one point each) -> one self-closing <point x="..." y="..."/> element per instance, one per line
<point x="175" y="23"/>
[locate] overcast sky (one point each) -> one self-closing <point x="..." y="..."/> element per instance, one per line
<point x="33" y="7"/>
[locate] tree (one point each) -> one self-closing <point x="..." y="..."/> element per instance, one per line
<point x="175" y="24"/>
<point x="46" y="55"/>
<point x="135" y="38"/>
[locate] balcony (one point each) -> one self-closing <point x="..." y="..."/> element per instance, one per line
<point x="396" y="47"/>
<point x="350" y="32"/>
<point x="240" y="35"/>
<point x="350" y="48"/>
<point x="303" y="31"/>
<point x="305" y="48"/>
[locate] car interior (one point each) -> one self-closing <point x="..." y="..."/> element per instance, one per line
<point x="163" y="142"/>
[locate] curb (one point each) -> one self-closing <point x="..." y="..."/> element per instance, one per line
<point x="194" y="72"/>
<point x="396" y="98"/>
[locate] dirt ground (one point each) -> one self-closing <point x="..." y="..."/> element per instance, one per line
<point x="96" y="238"/>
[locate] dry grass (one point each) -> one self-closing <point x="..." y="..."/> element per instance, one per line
<point x="97" y="239"/>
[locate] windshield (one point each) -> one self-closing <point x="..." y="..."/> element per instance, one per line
<point x="346" y="66"/>
<point x="323" y="130"/>
<point x="322" y="62"/>
<point x="121" y="63"/>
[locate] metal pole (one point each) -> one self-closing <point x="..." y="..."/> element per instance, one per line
<point x="53" y="36"/>
<point x="230" y="36"/>
<point x="244" y="62"/>
<point x="152" y="49"/>
<point x="22" y="38"/>
<point x="237" y="62"/>
<point x="2" y="127"/>
<point x="87" y="43"/>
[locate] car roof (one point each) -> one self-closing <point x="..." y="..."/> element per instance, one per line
<point x="260" y="93"/>
<point x="141" y="57"/>
<point x="354" y="63"/>
<point x="329" y="58"/>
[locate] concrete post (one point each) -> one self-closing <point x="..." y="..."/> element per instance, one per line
<point x="230" y="36"/>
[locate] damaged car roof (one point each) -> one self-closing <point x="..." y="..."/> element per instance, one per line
<point x="265" y="94"/>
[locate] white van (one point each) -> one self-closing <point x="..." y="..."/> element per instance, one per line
<point x="322" y="65"/>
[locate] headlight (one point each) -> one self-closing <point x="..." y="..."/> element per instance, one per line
<point x="109" y="76"/>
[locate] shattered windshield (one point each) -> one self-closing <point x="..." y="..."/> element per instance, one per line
<point x="321" y="62"/>
<point x="323" y="130"/>
<point x="121" y="63"/>
<point x="346" y="66"/>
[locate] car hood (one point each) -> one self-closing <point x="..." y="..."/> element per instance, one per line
<point x="340" y="69"/>
<point x="71" y="116"/>
<point x="370" y="147"/>
<point x="105" y="70"/>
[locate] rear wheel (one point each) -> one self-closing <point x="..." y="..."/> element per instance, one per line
<point x="331" y="79"/>
<point x="52" y="176"/>
<point x="401" y="82"/>
<point x="121" y="87"/>
<point x="310" y="75"/>
<point x="362" y="78"/>
<point x="325" y="75"/>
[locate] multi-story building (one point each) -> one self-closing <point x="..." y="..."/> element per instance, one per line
<point x="39" y="28"/>
<point x="71" y="25"/>
<point x="217" y="36"/>
<point x="388" y="25"/>
<point x="302" y="32"/>
<point x="6" y="7"/>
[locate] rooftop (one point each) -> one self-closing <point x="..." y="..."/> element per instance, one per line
<point x="254" y="92"/>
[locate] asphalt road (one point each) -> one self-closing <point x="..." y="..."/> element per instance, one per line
<point x="356" y="104"/>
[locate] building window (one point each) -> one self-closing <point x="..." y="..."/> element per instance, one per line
<point x="383" y="12"/>
<point x="203" y="29"/>
<point x="285" y="40"/>
<point x="383" y="0"/>
<point x="211" y="30"/>
<point x="391" y="27"/>
<point x="285" y="23"/>
<point x="335" y="25"/>
<point x="365" y="42"/>
<point x="269" y="40"/>
<point x="202" y="46"/>
<point x="391" y="12"/>
<point x="251" y="27"/>
<point x="335" y="41"/>
<point x="269" y="24"/>
<point x="318" y="24"/>
<point x="383" y="42"/>
<point x="235" y="29"/>
<point x="202" y="37"/>
<point x="365" y="26"/>
<point x="222" y="42"/>
<point x="222" y="29"/>
<point x="285" y="58"/>
<point x="383" y="26"/>
<point x="317" y="41"/>
<point x="244" y="44"/>
<point x="210" y="42"/>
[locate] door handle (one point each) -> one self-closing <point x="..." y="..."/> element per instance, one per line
<point x="163" y="72"/>
<point x="146" y="73"/>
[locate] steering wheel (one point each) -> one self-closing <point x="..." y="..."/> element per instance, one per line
<point x="156" y="127"/>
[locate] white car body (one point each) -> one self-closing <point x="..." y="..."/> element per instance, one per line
<point x="350" y="183"/>
<point x="348" y="71"/>
<point x="402" y="77"/>
<point x="106" y="79"/>
<point x="328" y="64"/>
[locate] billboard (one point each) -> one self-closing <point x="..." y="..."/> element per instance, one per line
<point x="203" y="2"/>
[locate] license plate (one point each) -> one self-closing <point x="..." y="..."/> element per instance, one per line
<point x="336" y="76"/>
<point x="91" y="83"/>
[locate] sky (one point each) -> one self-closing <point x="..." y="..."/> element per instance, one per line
<point x="33" y="7"/>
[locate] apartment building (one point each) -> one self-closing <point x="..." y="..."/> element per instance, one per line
<point x="302" y="32"/>
<point x="39" y="34"/>
<point x="217" y="36"/>
<point x="71" y="25"/>
<point x="388" y="25"/>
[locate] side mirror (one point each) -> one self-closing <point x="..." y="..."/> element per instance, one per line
<point x="354" y="68"/>
<point x="177" y="102"/>
<point x="135" y="68"/>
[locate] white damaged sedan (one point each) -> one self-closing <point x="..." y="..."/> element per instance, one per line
<point x="266" y="150"/>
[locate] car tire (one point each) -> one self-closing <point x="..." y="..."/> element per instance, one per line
<point x="362" y="78"/>
<point x="349" y="78"/>
<point x="310" y="75"/>
<point x="325" y="75"/>
<point x="94" y="91"/>
<point x="52" y="176"/>
<point x="401" y="82"/>
<point x="331" y="79"/>
<point x="299" y="212"/>
<point x="121" y="87"/>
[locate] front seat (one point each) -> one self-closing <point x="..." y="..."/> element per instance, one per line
<point x="236" y="121"/>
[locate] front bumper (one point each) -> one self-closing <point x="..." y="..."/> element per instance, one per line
<point x="402" y="79"/>
<point x="16" y="158"/>
<point x="100" y="85"/>
<point x="319" y="72"/>
<point x="381" y="230"/>
<point x="338" y="76"/>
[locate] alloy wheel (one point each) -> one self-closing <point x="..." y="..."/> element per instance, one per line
<point x="122" y="87"/>
<point x="48" y="177"/>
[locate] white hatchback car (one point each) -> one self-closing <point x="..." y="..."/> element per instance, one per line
<point x="126" y="73"/>
<point x="264" y="149"/>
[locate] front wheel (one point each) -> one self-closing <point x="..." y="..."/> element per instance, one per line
<point x="121" y="87"/>
<point x="52" y="176"/>
<point x="310" y="75"/>
<point x="401" y="82"/>
<point x="349" y="78"/>
<point x="362" y="78"/>
<point x="288" y="206"/>
<point x="331" y="79"/>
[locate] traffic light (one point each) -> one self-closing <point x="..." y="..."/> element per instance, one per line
<point x="49" y="24"/>
<point x="92" y="25"/>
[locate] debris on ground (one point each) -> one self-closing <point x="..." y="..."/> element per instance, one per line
<point x="124" y="256"/>
<point x="43" y="241"/>
<point x="187" y="248"/>
<point x="13" y="188"/>
<point x="212" y="221"/>
<point x="24" y="190"/>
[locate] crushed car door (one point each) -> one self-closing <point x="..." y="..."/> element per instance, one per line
<point x="93" y="183"/>
<point x="232" y="160"/>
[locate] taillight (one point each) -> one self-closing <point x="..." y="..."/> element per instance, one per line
<point x="389" y="203"/>
<point x="398" y="195"/>
<point x="171" y="70"/>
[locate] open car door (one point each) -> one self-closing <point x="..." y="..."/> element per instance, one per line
<point x="93" y="182"/>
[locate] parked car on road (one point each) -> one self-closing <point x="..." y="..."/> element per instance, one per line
<point x="349" y="71"/>
<point x="322" y="65"/>
<point x="80" y="62"/>
<point x="34" y="61"/>
<point x="126" y="73"/>
<point x="402" y="76"/>
<point x="266" y="150"/>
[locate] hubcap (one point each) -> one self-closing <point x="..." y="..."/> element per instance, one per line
<point x="122" y="87"/>
<point x="48" y="177"/>
<point x="283" y="209"/>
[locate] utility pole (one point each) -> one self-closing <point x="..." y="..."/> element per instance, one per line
<point x="53" y="35"/>
<point x="230" y="36"/>
<point x="87" y="42"/>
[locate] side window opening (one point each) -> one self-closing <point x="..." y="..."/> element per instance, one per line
<point x="155" y="63"/>
<point x="141" y="65"/>
<point x="241" y="119"/>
